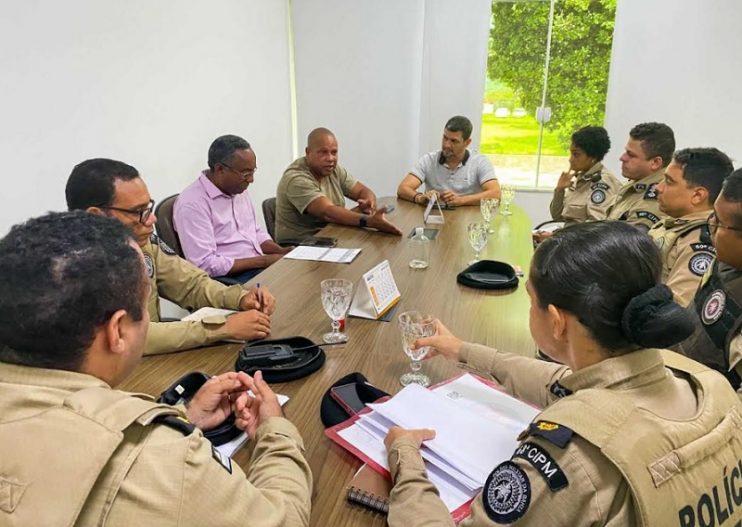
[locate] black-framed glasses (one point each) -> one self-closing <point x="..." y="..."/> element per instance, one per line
<point x="247" y="174"/>
<point x="143" y="212"/>
<point x="714" y="224"/>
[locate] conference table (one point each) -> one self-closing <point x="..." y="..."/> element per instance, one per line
<point x="495" y="318"/>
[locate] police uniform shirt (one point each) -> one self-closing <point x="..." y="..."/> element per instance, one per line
<point x="581" y="486"/>
<point x="157" y="475"/>
<point x="587" y="198"/>
<point x="687" y="253"/>
<point x="636" y="202"/>
<point x="189" y="287"/>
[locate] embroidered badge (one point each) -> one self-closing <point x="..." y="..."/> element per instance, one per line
<point x="651" y="192"/>
<point x="557" y="434"/>
<point x="703" y="247"/>
<point x="597" y="197"/>
<point x="713" y="307"/>
<point x="648" y="215"/>
<point x="149" y="265"/>
<point x="507" y="493"/>
<point x="699" y="263"/>
<point x="640" y="186"/>
<point x="558" y="390"/>
<point x="544" y="464"/>
<point x="222" y="459"/>
<point x="600" y="185"/>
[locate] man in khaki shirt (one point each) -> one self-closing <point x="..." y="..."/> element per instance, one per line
<point x="75" y="451"/>
<point x="687" y="193"/>
<point x="648" y="151"/>
<point x="312" y="193"/>
<point x="113" y="188"/>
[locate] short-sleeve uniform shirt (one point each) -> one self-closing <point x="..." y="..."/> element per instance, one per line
<point x="297" y="189"/>
<point x="467" y="178"/>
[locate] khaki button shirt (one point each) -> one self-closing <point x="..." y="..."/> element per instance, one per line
<point x="297" y="189"/>
<point x="685" y="256"/>
<point x="596" y="494"/>
<point x="636" y="202"/>
<point x="186" y="285"/>
<point x="585" y="199"/>
<point x="166" y="478"/>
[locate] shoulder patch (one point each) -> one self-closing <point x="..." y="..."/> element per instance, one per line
<point x="597" y="197"/>
<point x="149" y="265"/>
<point x="558" y="390"/>
<point x="646" y="214"/>
<point x="544" y="464"/>
<point x="176" y="422"/>
<point x="651" y="192"/>
<point x="507" y="493"/>
<point x="713" y="307"/>
<point x="599" y="185"/>
<point x="703" y="247"/>
<point x="700" y="263"/>
<point x="223" y="460"/>
<point x="556" y="434"/>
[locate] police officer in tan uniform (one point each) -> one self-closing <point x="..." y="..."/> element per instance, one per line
<point x="686" y="194"/>
<point x="113" y="188"/>
<point x="717" y="306"/>
<point x="584" y="192"/>
<point x="629" y="435"/>
<point x="648" y="151"/>
<point x="75" y="451"/>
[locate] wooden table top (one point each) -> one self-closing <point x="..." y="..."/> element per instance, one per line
<point x="498" y="319"/>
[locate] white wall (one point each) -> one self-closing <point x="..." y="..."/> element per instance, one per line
<point x="677" y="61"/>
<point x="150" y="83"/>
<point x="385" y="76"/>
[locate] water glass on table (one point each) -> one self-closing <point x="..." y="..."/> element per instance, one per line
<point x="337" y="294"/>
<point x="477" y="238"/>
<point x="488" y="207"/>
<point x="412" y="326"/>
<point x="508" y="196"/>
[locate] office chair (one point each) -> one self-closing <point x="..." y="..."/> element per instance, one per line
<point x="269" y="214"/>
<point x="165" y="229"/>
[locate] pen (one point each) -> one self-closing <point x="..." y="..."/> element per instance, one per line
<point x="260" y="296"/>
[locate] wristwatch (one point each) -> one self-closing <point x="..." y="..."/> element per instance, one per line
<point x="363" y="221"/>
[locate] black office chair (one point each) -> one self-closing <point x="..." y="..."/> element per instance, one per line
<point x="269" y="214"/>
<point x="549" y="225"/>
<point x="165" y="229"/>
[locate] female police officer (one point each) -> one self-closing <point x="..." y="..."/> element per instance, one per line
<point x="629" y="434"/>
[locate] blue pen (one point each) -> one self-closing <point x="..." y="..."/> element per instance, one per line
<point x="260" y="296"/>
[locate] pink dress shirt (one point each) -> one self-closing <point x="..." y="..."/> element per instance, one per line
<point x="214" y="228"/>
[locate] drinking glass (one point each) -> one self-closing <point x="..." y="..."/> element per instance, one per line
<point x="414" y="325"/>
<point x="508" y="196"/>
<point x="488" y="207"/>
<point x="336" y="296"/>
<point x="477" y="238"/>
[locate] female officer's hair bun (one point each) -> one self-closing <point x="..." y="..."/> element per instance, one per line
<point x="653" y="320"/>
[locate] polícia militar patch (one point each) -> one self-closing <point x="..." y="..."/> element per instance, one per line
<point x="544" y="464"/>
<point x="507" y="493"/>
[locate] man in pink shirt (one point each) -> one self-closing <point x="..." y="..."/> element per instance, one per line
<point x="215" y="218"/>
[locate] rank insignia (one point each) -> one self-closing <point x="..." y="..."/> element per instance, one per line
<point x="554" y="433"/>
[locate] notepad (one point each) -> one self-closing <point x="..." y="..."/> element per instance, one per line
<point x="476" y="426"/>
<point x="323" y="254"/>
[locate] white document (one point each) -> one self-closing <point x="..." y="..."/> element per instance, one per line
<point x="205" y="312"/>
<point x="228" y="449"/>
<point x="323" y="254"/>
<point x="476" y="429"/>
<point x="377" y="295"/>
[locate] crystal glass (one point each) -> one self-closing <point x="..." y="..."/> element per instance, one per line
<point x="488" y="207"/>
<point x="508" y="196"/>
<point x="414" y="325"/>
<point x="477" y="238"/>
<point x="336" y="296"/>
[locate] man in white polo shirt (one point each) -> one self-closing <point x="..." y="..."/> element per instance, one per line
<point x="456" y="175"/>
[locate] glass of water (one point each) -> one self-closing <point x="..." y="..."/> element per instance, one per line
<point x="477" y="238"/>
<point x="508" y="196"/>
<point x="488" y="207"/>
<point x="336" y="296"/>
<point x="414" y="325"/>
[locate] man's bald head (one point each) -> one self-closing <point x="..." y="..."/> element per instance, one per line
<point x="321" y="153"/>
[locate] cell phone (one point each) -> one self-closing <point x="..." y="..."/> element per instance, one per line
<point x="347" y="397"/>
<point x="269" y="354"/>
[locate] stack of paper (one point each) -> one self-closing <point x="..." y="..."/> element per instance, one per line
<point x="476" y="429"/>
<point x="323" y="254"/>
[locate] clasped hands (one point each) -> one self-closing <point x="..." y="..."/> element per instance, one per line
<point x="226" y="393"/>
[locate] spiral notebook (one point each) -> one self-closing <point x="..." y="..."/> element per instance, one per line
<point x="370" y="489"/>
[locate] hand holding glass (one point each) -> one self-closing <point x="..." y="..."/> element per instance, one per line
<point x="414" y="325"/>
<point x="477" y="238"/>
<point x="336" y="296"/>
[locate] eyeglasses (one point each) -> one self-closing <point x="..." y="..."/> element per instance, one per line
<point x="714" y="225"/>
<point x="143" y="213"/>
<point x="247" y="174"/>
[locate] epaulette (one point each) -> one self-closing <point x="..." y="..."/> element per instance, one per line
<point x="554" y="433"/>
<point x="176" y="422"/>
